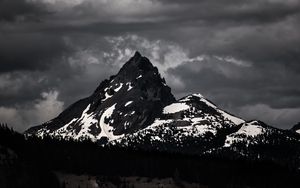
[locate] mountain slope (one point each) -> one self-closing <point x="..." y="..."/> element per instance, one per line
<point x="192" y="120"/>
<point x="257" y="141"/>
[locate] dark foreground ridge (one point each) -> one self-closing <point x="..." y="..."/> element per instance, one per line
<point x="48" y="162"/>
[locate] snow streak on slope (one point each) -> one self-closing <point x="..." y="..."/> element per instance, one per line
<point x="106" y="130"/>
<point x="87" y="120"/>
<point x="128" y="103"/>
<point x="175" y="107"/>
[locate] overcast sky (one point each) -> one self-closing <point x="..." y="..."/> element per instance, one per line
<point x="244" y="55"/>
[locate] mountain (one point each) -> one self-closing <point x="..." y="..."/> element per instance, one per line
<point x="123" y="104"/>
<point x="296" y="128"/>
<point x="135" y="101"/>
<point x="135" y="108"/>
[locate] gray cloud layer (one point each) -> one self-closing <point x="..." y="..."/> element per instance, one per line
<point x="18" y="10"/>
<point x="243" y="55"/>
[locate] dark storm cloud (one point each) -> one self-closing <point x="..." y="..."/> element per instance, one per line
<point x="232" y="86"/>
<point x="52" y="52"/>
<point x="235" y="11"/>
<point x="18" y="10"/>
<point x="106" y="28"/>
<point x="30" y="51"/>
<point x="251" y="84"/>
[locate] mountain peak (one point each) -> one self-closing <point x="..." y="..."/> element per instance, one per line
<point x="137" y="66"/>
<point x="139" y="61"/>
<point x="137" y="54"/>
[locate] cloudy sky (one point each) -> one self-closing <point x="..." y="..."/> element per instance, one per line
<point x="244" y="55"/>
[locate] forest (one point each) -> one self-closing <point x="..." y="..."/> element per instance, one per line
<point x="31" y="162"/>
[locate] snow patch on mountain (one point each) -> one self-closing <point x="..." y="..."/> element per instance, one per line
<point x="118" y="88"/>
<point x="87" y="120"/>
<point x="129" y="86"/>
<point x="251" y="129"/>
<point x="107" y="96"/>
<point x="128" y="103"/>
<point x="232" y="118"/>
<point x="159" y="122"/>
<point x="175" y="107"/>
